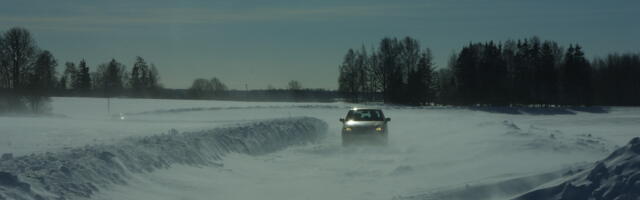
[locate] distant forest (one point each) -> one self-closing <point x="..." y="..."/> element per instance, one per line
<point x="526" y="72"/>
<point x="30" y="75"/>
<point x="398" y="71"/>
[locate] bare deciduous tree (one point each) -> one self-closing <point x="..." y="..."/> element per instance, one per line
<point x="294" y="85"/>
<point x="21" y="50"/>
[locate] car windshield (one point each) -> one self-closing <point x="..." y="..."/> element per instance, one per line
<point x="365" y="115"/>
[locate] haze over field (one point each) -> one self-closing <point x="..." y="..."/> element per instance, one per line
<point x="432" y="151"/>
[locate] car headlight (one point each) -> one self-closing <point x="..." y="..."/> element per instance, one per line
<point x="379" y="129"/>
<point x="348" y="129"/>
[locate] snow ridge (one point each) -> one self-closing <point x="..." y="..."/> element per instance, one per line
<point x="80" y="172"/>
<point x="615" y="177"/>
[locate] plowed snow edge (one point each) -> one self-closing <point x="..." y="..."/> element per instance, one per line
<point x="80" y="172"/>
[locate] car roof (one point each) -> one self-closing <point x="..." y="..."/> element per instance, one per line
<point x="365" y="109"/>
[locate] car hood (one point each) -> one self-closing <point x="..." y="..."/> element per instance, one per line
<point x="363" y="123"/>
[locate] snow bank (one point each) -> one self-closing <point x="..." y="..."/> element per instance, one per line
<point x="80" y="172"/>
<point x="615" y="177"/>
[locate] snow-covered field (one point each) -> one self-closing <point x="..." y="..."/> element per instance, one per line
<point x="434" y="152"/>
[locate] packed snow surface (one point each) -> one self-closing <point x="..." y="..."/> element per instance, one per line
<point x="433" y="152"/>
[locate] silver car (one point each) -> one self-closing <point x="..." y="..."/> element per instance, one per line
<point x="365" y="126"/>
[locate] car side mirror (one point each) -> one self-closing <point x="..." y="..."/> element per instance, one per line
<point x="387" y="119"/>
<point x="341" y="119"/>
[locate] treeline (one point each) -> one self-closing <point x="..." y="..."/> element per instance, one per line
<point x="515" y="72"/>
<point x="110" y="79"/>
<point x="215" y="89"/>
<point x="270" y="95"/>
<point x="28" y="76"/>
<point x="617" y="79"/>
<point x="207" y="89"/>
<point x="398" y="69"/>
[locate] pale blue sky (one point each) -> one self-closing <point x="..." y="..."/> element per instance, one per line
<point x="271" y="42"/>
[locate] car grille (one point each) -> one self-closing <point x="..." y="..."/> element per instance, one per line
<point x="362" y="130"/>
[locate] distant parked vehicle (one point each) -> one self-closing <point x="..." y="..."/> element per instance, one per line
<point x="363" y="125"/>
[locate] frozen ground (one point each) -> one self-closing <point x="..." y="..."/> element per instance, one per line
<point x="433" y="152"/>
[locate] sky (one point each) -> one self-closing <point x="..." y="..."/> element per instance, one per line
<point x="254" y="43"/>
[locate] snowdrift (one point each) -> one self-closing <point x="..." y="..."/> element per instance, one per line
<point x="615" y="177"/>
<point x="80" y="172"/>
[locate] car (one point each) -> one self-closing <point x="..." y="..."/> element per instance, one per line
<point x="364" y="125"/>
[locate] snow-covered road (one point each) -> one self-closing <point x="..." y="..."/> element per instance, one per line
<point x="430" y="150"/>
